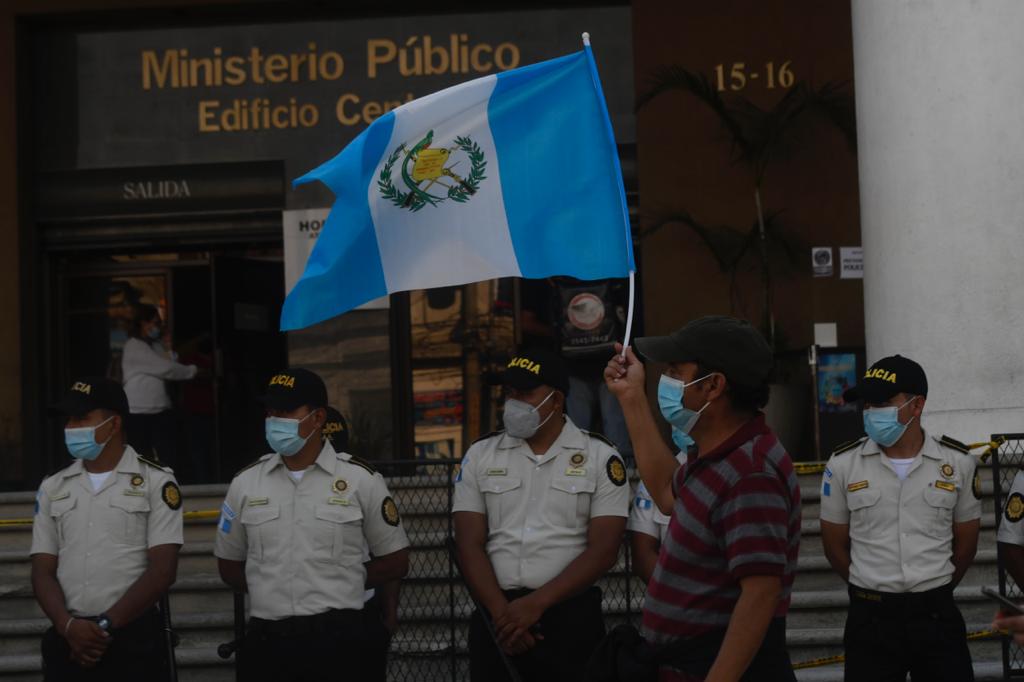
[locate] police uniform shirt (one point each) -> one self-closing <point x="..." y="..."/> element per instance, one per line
<point x="101" y="537"/>
<point x="303" y="541"/>
<point x="901" y="533"/>
<point x="538" y="508"/>
<point x="1011" y="530"/>
<point x="644" y="515"/>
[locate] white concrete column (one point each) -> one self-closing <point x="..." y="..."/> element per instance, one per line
<point x="940" y="122"/>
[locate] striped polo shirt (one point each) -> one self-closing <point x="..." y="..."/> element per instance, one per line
<point x="736" y="514"/>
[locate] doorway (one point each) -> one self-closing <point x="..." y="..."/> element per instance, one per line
<point x="219" y="308"/>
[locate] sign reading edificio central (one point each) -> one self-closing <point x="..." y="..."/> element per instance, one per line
<point x="417" y="56"/>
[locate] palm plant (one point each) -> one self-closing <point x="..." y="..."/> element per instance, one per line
<point x="759" y="137"/>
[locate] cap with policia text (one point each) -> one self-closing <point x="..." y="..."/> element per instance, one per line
<point x="718" y="343"/>
<point x="887" y="377"/>
<point x="336" y="430"/>
<point x="92" y="393"/>
<point x="293" y="388"/>
<point x="535" y="367"/>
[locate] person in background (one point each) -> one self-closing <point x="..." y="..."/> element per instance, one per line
<point x="580" y="320"/>
<point x="146" y="366"/>
<point x="380" y="608"/>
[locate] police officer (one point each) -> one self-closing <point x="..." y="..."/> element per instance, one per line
<point x="105" y="543"/>
<point x="539" y="512"/>
<point x="647" y="525"/>
<point x="380" y="607"/>
<point x="292" y="533"/>
<point x="900" y="515"/>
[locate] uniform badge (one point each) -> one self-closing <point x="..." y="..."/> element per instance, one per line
<point x="976" y="486"/>
<point x="137" y="481"/>
<point x="389" y="510"/>
<point x="171" y="495"/>
<point x="945" y="485"/>
<point x="340" y="485"/>
<point x="616" y="471"/>
<point x="854" y="487"/>
<point x="946" y="470"/>
<point x="578" y="459"/>
<point x="1015" y="508"/>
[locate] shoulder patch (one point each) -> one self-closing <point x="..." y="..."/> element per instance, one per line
<point x="171" y="495"/>
<point x="389" y="510"/>
<point x="360" y="462"/>
<point x="154" y="464"/>
<point x="492" y="434"/>
<point x="849" y="445"/>
<point x="601" y="438"/>
<point x="616" y="470"/>
<point x="954" y="444"/>
<point x="1014" y="510"/>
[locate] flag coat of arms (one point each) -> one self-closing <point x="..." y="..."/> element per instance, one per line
<point x="510" y="175"/>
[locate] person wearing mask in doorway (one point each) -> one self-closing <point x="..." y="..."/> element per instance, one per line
<point x="539" y="511"/>
<point x="105" y="542"/>
<point x="292" y="533"/>
<point x="146" y="366"/>
<point x="900" y="517"/>
<point x="716" y="604"/>
<point x="380" y="607"/>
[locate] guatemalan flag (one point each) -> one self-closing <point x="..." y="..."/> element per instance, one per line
<point x="510" y="175"/>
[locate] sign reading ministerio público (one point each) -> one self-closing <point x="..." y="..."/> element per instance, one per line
<point x="418" y="55"/>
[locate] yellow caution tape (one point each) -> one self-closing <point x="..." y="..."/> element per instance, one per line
<point x="809" y="467"/>
<point x="189" y="516"/>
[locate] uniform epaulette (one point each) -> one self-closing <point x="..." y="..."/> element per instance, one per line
<point x="492" y="434"/>
<point x="360" y="462"/>
<point x="154" y="464"/>
<point x="954" y="444"/>
<point x="849" y="445"/>
<point x="251" y="464"/>
<point x="600" y="437"/>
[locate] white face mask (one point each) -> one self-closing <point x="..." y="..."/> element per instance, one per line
<point x="522" y="419"/>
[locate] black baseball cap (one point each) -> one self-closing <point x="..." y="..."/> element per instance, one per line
<point x="292" y="388"/>
<point x="336" y="430"/>
<point x="719" y="343"/>
<point x="887" y="377"/>
<point x="92" y="393"/>
<point x="535" y="367"/>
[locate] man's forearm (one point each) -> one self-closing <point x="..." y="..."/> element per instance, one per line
<point x="478" y="573"/>
<point x="581" y="573"/>
<point x="656" y="463"/>
<point x="747" y="626"/>
<point x="839" y="559"/>
<point x="962" y="559"/>
<point x="51" y="600"/>
<point x="142" y="595"/>
<point x="645" y="555"/>
<point x="388" y="568"/>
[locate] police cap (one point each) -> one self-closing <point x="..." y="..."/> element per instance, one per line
<point x="887" y="377"/>
<point x="92" y="393"/>
<point x="535" y="367"/>
<point x="336" y="430"/>
<point x="292" y="388"/>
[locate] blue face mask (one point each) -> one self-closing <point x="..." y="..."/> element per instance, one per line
<point x="882" y="424"/>
<point x="81" y="441"/>
<point x="283" y="435"/>
<point x="670" y="402"/>
<point x="682" y="440"/>
<point x="154" y="333"/>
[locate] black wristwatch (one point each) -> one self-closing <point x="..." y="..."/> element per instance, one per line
<point x="104" y="622"/>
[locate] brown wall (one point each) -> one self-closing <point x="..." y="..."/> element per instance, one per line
<point x="684" y="164"/>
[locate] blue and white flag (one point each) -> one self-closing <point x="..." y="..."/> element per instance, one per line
<point x="511" y="175"/>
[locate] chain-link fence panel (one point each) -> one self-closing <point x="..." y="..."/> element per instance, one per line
<point x="1006" y="462"/>
<point x="431" y="644"/>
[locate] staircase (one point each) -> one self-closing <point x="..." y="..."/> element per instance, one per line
<point x="202" y="607"/>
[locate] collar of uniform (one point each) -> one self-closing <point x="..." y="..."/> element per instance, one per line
<point x="73" y="469"/>
<point x="753" y="428"/>
<point x="325" y="460"/>
<point x="570" y="437"/>
<point x="929" y="449"/>
<point x="129" y="463"/>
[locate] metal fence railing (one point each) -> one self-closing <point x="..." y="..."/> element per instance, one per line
<point x="1007" y="460"/>
<point x="434" y="609"/>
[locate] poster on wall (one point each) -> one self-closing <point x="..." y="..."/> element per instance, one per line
<point x="836" y="373"/>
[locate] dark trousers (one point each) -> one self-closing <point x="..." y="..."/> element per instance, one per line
<point x="374" y="640"/>
<point x="692" y="659"/>
<point x="890" y="635"/>
<point x="155" y="436"/>
<point x="302" y="648"/>
<point x="571" y="630"/>
<point x="136" y="652"/>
